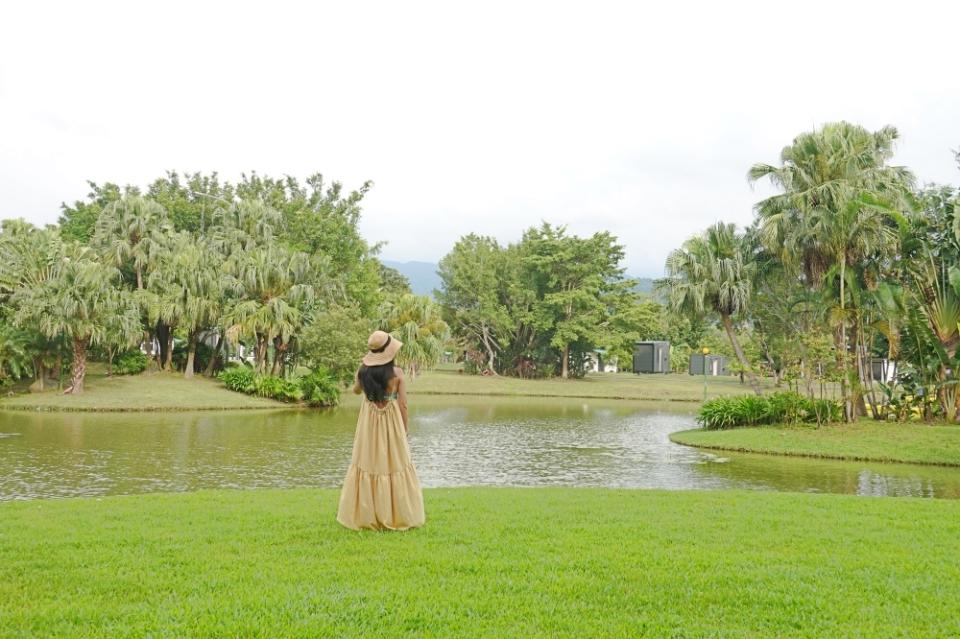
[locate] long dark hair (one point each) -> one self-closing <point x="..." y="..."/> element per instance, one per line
<point x="374" y="380"/>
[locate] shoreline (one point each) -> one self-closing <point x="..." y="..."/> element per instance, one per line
<point x="683" y="438"/>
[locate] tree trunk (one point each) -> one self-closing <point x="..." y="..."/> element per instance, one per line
<point x="191" y="355"/>
<point x="491" y="353"/>
<point x="163" y="343"/>
<point x="741" y="356"/>
<point x="168" y="360"/>
<point x="261" y="354"/>
<point x="211" y="365"/>
<point x="278" y="349"/>
<point x="139" y="278"/>
<point x="849" y="408"/>
<point x="565" y="364"/>
<point x="79" y="369"/>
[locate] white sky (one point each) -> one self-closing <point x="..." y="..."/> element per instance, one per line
<point x="487" y="117"/>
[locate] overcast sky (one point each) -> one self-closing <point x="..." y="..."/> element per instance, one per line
<point x="486" y="117"/>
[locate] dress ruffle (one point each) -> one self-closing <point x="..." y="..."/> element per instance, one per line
<point x="381" y="490"/>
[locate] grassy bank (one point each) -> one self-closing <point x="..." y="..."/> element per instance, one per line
<point x="863" y="441"/>
<point x="490" y="563"/>
<point x="146" y="392"/>
<point x="674" y="387"/>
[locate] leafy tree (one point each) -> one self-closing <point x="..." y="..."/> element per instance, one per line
<point x="472" y="294"/>
<point x="78" y="221"/>
<point x="335" y="338"/>
<point x="393" y="282"/>
<point x="576" y="279"/>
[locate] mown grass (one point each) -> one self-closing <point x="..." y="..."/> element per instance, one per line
<point x="145" y="392"/>
<point x="674" y="387"/>
<point x="490" y="563"/>
<point x="865" y="440"/>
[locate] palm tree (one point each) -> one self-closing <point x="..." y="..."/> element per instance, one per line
<point x="128" y="233"/>
<point x="416" y="321"/>
<point x="189" y="291"/>
<point x="273" y="291"/>
<point x="713" y="273"/>
<point x="80" y="300"/>
<point x="839" y="203"/>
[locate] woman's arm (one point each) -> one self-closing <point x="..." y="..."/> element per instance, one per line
<point x="357" y="387"/>
<point x="402" y="397"/>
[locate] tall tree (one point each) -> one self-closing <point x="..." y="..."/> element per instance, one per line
<point x="472" y="294"/>
<point x="575" y="278"/>
<point x="81" y="300"/>
<point x="713" y="273"/>
<point x="839" y="201"/>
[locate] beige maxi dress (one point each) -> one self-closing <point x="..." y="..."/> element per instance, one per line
<point x="381" y="490"/>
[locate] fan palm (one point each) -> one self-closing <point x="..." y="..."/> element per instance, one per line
<point x="416" y="321"/>
<point x="274" y="290"/>
<point x="80" y="300"/>
<point x="713" y="273"/>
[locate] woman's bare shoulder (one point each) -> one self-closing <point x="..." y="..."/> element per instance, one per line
<point x="398" y="372"/>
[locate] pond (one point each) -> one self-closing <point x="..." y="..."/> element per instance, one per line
<point x="456" y="441"/>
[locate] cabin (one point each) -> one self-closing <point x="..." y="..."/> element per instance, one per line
<point x="714" y="365"/>
<point x="651" y="357"/>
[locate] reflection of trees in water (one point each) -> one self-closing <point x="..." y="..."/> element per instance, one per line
<point x="455" y="440"/>
<point x="815" y="475"/>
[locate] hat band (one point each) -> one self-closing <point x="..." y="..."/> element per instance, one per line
<point x="382" y="348"/>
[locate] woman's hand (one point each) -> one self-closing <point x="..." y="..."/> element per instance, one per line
<point x="402" y="397"/>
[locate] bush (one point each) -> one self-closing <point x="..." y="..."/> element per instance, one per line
<point x="719" y="413"/>
<point x="240" y="379"/>
<point x="277" y="388"/>
<point x="131" y="363"/>
<point x="788" y="408"/>
<point x="320" y="388"/>
<point x="754" y="410"/>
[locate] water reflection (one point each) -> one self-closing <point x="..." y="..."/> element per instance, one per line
<point x="456" y="441"/>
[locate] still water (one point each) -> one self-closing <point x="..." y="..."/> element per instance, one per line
<point x="456" y="441"/>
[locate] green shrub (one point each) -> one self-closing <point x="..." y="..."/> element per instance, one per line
<point x="719" y="413"/>
<point x="131" y="363"/>
<point x="240" y="379"/>
<point x="277" y="388"/>
<point x="788" y="408"/>
<point x="754" y="410"/>
<point x="320" y="388"/>
<point x="751" y="410"/>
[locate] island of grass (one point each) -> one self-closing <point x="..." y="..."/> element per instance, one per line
<point x="152" y="391"/>
<point x="678" y="387"/>
<point x="865" y="440"/>
<point x="491" y="562"/>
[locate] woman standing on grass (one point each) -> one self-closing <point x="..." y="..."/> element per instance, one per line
<point x="381" y="490"/>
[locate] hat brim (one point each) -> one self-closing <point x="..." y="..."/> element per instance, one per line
<point x="385" y="357"/>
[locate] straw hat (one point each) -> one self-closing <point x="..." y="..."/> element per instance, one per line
<point x="383" y="348"/>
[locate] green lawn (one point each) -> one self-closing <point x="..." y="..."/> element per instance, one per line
<point x="865" y="440"/>
<point x="146" y="392"/>
<point x="674" y="387"/>
<point x="491" y="562"/>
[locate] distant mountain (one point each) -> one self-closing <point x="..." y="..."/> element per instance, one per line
<point x="424" y="279"/>
<point x="422" y="275"/>
<point x="645" y="286"/>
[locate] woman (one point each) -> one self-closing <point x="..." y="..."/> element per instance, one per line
<point x="381" y="490"/>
